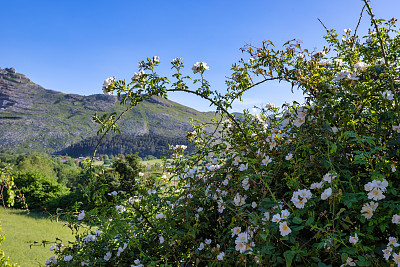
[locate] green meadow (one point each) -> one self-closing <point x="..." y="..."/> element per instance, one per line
<point x="22" y="229"/>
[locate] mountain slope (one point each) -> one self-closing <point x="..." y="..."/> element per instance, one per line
<point x="34" y="118"/>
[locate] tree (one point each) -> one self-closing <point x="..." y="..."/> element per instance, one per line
<point x="128" y="169"/>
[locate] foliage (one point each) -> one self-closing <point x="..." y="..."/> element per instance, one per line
<point x="306" y="185"/>
<point x="39" y="162"/>
<point x="128" y="169"/>
<point x="8" y="187"/>
<point x="38" y="189"/>
<point x="145" y="145"/>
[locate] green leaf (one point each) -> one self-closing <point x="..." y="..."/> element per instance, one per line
<point x="309" y="221"/>
<point x="332" y="148"/>
<point x="289" y="255"/>
<point x="297" y="220"/>
<point x="321" y="264"/>
<point x="362" y="261"/>
<point x="340" y="211"/>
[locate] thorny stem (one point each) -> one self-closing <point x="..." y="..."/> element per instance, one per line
<point x="104" y="134"/>
<point x="358" y="24"/>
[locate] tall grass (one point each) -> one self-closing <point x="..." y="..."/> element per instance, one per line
<point x="22" y="229"/>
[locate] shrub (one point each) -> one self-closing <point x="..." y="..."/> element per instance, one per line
<point x="306" y="185"/>
<point x="38" y="189"/>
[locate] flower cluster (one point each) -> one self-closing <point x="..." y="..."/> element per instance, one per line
<point x="388" y="251"/>
<point x="137" y="75"/>
<point x="283" y="227"/>
<point x="300" y="198"/>
<point x="368" y="209"/>
<point x="376" y="189"/>
<point x="301" y="116"/>
<point x="106" y="85"/>
<point x="242" y="240"/>
<point x="200" y="67"/>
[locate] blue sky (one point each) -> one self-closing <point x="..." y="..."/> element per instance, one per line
<point x="72" y="46"/>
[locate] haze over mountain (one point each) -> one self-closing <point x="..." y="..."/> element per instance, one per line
<point x="35" y="118"/>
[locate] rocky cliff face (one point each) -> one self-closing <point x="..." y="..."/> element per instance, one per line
<point x="35" y="118"/>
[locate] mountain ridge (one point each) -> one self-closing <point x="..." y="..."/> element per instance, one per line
<point x="35" y="118"/>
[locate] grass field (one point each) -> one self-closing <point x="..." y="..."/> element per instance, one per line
<point x="21" y="229"/>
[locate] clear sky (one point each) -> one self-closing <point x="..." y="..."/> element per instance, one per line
<point x="72" y="46"/>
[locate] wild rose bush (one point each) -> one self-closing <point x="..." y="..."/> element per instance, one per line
<point x="314" y="184"/>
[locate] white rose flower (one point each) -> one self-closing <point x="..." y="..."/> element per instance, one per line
<point x="81" y="215"/>
<point x="120" y="208"/>
<point x="361" y="66"/>
<point x="396" y="219"/>
<point x="113" y="193"/>
<point x="353" y="239"/>
<point x="200" y="66"/>
<point x="388" y="94"/>
<point x="339" y="62"/>
<point x="289" y="156"/>
<point x="51" y="261"/>
<point x="201" y="247"/>
<point x="107" y="257"/>
<point x="328" y="177"/>
<point x="243" y="167"/>
<point x="393" y="166"/>
<point x="266" y="160"/>
<point x="285" y="214"/>
<point x="137" y="75"/>
<point x="376" y="194"/>
<point x="317" y="185"/>
<point x="387" y="253"/>
<point x="236" y="230"/>
<point x="220" y="256"/>
<point x="326" y="194"/>
<point x="396" y="258"/>
<point x="343" y="74"/>
<point x="276" y="218"/>
<point x="284" y="228"/>
<point x="393" y="242"/>
<point x="176" y="60"/>
<point x="238" y="200"/>
<point x="300" y="55"/>
<point x="299" y="121"/>
<point x="68" y="258"/>
<point x="106" y="85"/>
<point x="242" y="238"/>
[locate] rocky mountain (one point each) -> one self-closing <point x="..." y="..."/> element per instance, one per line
<point x="35" y="118"/>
